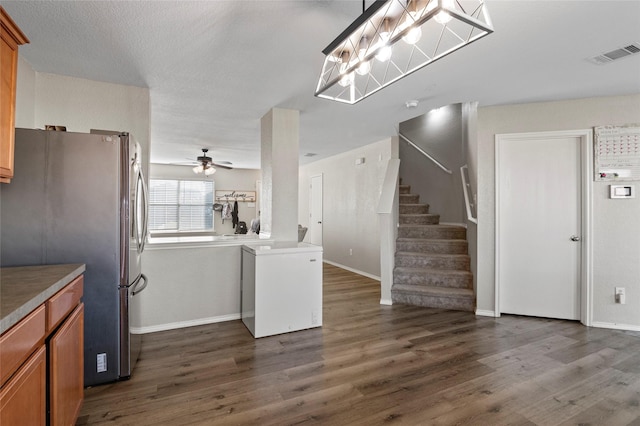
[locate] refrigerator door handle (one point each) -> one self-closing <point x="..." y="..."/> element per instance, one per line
<point x="134" y="287"/>
<point x="145" y="211"/>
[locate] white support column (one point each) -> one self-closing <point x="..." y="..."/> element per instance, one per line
<point x="279" y="164"/>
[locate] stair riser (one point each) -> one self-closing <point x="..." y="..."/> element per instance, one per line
<point x="432" y="279"/>
<point x="440" y="247"/>
<point x="453" y="303"/>
<point x="414" y="209"/>
<point x="404" y="189"/>
<point x="456" y="263"/>
<point x="409" y="199"/>
<point x="420" y="219"/>
<point x="433" y="233"/>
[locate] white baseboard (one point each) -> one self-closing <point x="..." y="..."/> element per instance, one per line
<point x="184" y="324"/>
<point x="386" y="302"/>
<point x="355" y="271"/>
<point x="615" y="326"/>
<point x="485" y="313"/>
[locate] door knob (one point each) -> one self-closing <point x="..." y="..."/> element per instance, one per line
<point x="575" y="238"/>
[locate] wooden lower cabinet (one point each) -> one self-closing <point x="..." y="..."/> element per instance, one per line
<point x="66" y="372"/>
<point x="23" y="400"/>
<point x="42" y="380"/>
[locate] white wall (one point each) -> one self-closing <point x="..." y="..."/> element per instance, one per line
<point x="187" y="286"/>
<point x="25" y="95"/>
<point x="82" y="105"/>
<point x="350" y="201"/>
<point x="225" y="180"/>
<point x="616" y="223"/>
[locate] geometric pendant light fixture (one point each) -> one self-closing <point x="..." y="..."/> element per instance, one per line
<point x="394" y="38"/>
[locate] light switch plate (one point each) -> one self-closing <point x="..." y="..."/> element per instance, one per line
<point x="622" y="191"/>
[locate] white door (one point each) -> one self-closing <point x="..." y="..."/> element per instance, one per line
<point x="538" y="218"/>
<point x="315" y="210"/>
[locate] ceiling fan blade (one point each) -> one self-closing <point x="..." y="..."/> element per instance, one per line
<point x="222" y="166"/>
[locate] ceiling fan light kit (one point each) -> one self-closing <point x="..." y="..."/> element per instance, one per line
<point x="394" y="38"/>
<point x="205" y="164"/>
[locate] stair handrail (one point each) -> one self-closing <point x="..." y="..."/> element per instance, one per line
<point x="466" y="187"/>
<point x="426" y="154"/>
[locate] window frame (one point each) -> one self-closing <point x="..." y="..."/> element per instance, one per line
<point x="178" y="204"/>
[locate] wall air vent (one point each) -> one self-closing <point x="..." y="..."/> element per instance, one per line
<point x="616" y="54"/>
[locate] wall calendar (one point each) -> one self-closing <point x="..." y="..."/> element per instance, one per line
<point x="617" y="153"/>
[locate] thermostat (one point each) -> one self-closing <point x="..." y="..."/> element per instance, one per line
<point x="622" y="191"/>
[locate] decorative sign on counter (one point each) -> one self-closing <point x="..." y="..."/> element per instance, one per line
<point x="247" y="196"/>
<point x="617" y="153"/>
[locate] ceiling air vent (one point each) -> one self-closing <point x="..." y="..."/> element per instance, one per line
<point x="613" y="55"/>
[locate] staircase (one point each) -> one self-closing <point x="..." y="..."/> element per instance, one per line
<point x="432" y="267"/>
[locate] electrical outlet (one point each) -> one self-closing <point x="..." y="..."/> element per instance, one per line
<point x="350" y="252"/>
<point x="101" y="363"/>
<point x="620" y="295"/>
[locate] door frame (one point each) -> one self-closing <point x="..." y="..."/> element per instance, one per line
<point x="311" y="192"/>
<point x="586" y="165"/>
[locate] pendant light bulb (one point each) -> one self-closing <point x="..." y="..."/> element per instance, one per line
<point x="198" y="169"/>
<point x="346" y="79"/>
<point x="364" y="68"/>
<point x="384" y="54"/>
<point x="413" y="36"/>
<point x="385" y="51"/>
<point x="209" y="171"/>
<point x="443" y="17"/>
<point x="363" y="47"/>
<point x="415" y="33"/>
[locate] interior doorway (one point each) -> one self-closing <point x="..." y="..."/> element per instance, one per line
<point x="315" y="210"/>
<point x="542" y="222"/>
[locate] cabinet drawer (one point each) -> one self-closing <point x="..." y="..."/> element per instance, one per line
<point x="19" y="342"/>
<point x="23" y="401"/>
<point x="63" y="302"/>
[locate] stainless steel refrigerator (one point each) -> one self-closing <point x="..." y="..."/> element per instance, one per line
<point x="81" y="198"/>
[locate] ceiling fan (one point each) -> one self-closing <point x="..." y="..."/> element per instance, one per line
<point x="206" y="165"/>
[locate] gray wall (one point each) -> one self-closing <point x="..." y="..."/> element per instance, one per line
<point x="440" y="133"/>
<point x="350" y="200"/>
<point x="616" y="223"/>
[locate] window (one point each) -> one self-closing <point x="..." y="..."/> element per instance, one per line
<point x="180" y="205"/>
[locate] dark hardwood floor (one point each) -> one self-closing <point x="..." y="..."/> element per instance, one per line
<point x="371" y="364"/>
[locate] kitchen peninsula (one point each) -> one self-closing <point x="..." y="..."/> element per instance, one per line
<point x="41" y="344"/>
<point x="196" y="280"/>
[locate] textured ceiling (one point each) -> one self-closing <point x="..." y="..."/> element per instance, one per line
<point x="214" y="68"/>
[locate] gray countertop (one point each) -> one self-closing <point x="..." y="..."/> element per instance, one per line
<point x="24" y="288"/>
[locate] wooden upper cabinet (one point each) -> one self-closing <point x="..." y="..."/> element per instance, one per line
<point x="12" y="37"/>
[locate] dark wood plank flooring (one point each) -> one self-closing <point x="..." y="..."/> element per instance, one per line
<point x="371" y="364"/>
